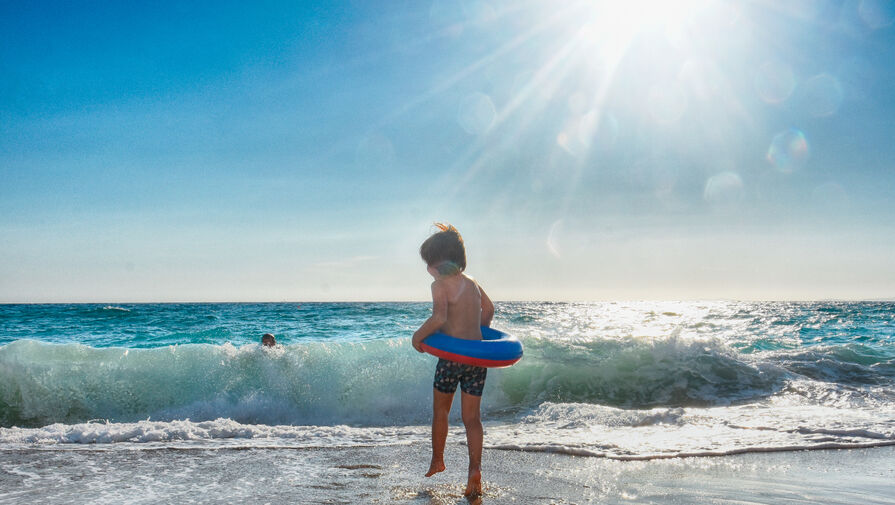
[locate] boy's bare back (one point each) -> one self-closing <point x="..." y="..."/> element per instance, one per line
<point x="462" y="302"/>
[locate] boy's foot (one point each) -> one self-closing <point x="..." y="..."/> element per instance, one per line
<point x="473" y="484"/>
<point x="435" y="467"/>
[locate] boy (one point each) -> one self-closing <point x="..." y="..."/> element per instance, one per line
<point x="459" y="308"/>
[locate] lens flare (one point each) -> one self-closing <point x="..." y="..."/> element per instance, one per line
<point x="375" y="151"/>
<point x="877" y="13"/>
<point x="822" y="95"/>
<point x="788" y="151"/>
<point x="476" y="113"/>
<point x="724" y="189"/>
<point x="702" y="78"/>
<point x="553" y="239"/>
<point x="658" y="174"/>
<point x="667" y="103"/>
<point x="775" y="82"/>
<point x="607" y="133"/>
<point x="563" y="140"/>
<point x="592" y="130"/>
<point x="598" y="130"/>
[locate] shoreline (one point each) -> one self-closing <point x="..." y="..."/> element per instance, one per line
<point x="585" y="453"/>
<point x="393" y="474"/>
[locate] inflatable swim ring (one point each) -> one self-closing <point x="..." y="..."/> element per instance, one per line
<point x="496" y="349"/>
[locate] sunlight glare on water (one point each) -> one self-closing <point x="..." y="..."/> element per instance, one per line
<point x="612" y="320"/>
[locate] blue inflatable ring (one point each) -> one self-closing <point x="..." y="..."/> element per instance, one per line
<point x="496" y="349"/>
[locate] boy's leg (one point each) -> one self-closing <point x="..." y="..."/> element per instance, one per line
<point x="441" y="407"/>
<point x="472" y="419"/>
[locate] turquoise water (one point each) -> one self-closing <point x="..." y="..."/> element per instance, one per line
<point x="621" y="380"/>
<point x="157" y="325"/>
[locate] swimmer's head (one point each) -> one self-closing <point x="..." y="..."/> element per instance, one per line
<point x="268" y="340"/>
<point x="443" y="251"/>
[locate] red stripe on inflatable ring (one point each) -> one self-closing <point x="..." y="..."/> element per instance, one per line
<point x="467" y="360"/>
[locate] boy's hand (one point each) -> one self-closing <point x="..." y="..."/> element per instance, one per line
<point x="417" y="342"/>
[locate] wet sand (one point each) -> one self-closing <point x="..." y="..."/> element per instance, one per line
<point x="248" y="475"/>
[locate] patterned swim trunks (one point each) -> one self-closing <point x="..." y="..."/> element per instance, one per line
<point x="448" y="374"/>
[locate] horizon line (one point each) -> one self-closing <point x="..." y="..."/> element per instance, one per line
<point x="299" y="302"/>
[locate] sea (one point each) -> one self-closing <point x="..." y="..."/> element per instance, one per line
<point x="100" y="392"/>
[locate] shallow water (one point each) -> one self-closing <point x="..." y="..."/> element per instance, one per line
<point x="392" y="474"/>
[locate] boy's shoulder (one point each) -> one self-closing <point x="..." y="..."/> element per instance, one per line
<point x="437" y="285"/>
<point x="452" y="282"/>
<point x="466" y="278"/>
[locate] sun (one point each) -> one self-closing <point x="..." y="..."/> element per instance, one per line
<point x="612" y="25"/>
<point x="580" y="56"/>
<point x="634" y="14"/>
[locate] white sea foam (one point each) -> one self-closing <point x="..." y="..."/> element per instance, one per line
<point x="583" y="430"/>
<point x="380" y="382"/>
<point x="115" y="307"/>
<point x="789" y="423"/>
<point x="256" y="435"/>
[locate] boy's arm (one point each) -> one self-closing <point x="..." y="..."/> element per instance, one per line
<point x="435" y="321"/>
<point x="487" y="308"/>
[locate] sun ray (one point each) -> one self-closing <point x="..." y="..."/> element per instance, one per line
<point x="547" y="75"/>
<point x="465" y="72"/>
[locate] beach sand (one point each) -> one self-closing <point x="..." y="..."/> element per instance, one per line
<point x="197" y="474"/>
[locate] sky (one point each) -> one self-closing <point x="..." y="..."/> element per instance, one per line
<point x="586" y="150"/>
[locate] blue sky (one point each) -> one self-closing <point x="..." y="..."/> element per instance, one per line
<point x="587" y="151"/>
